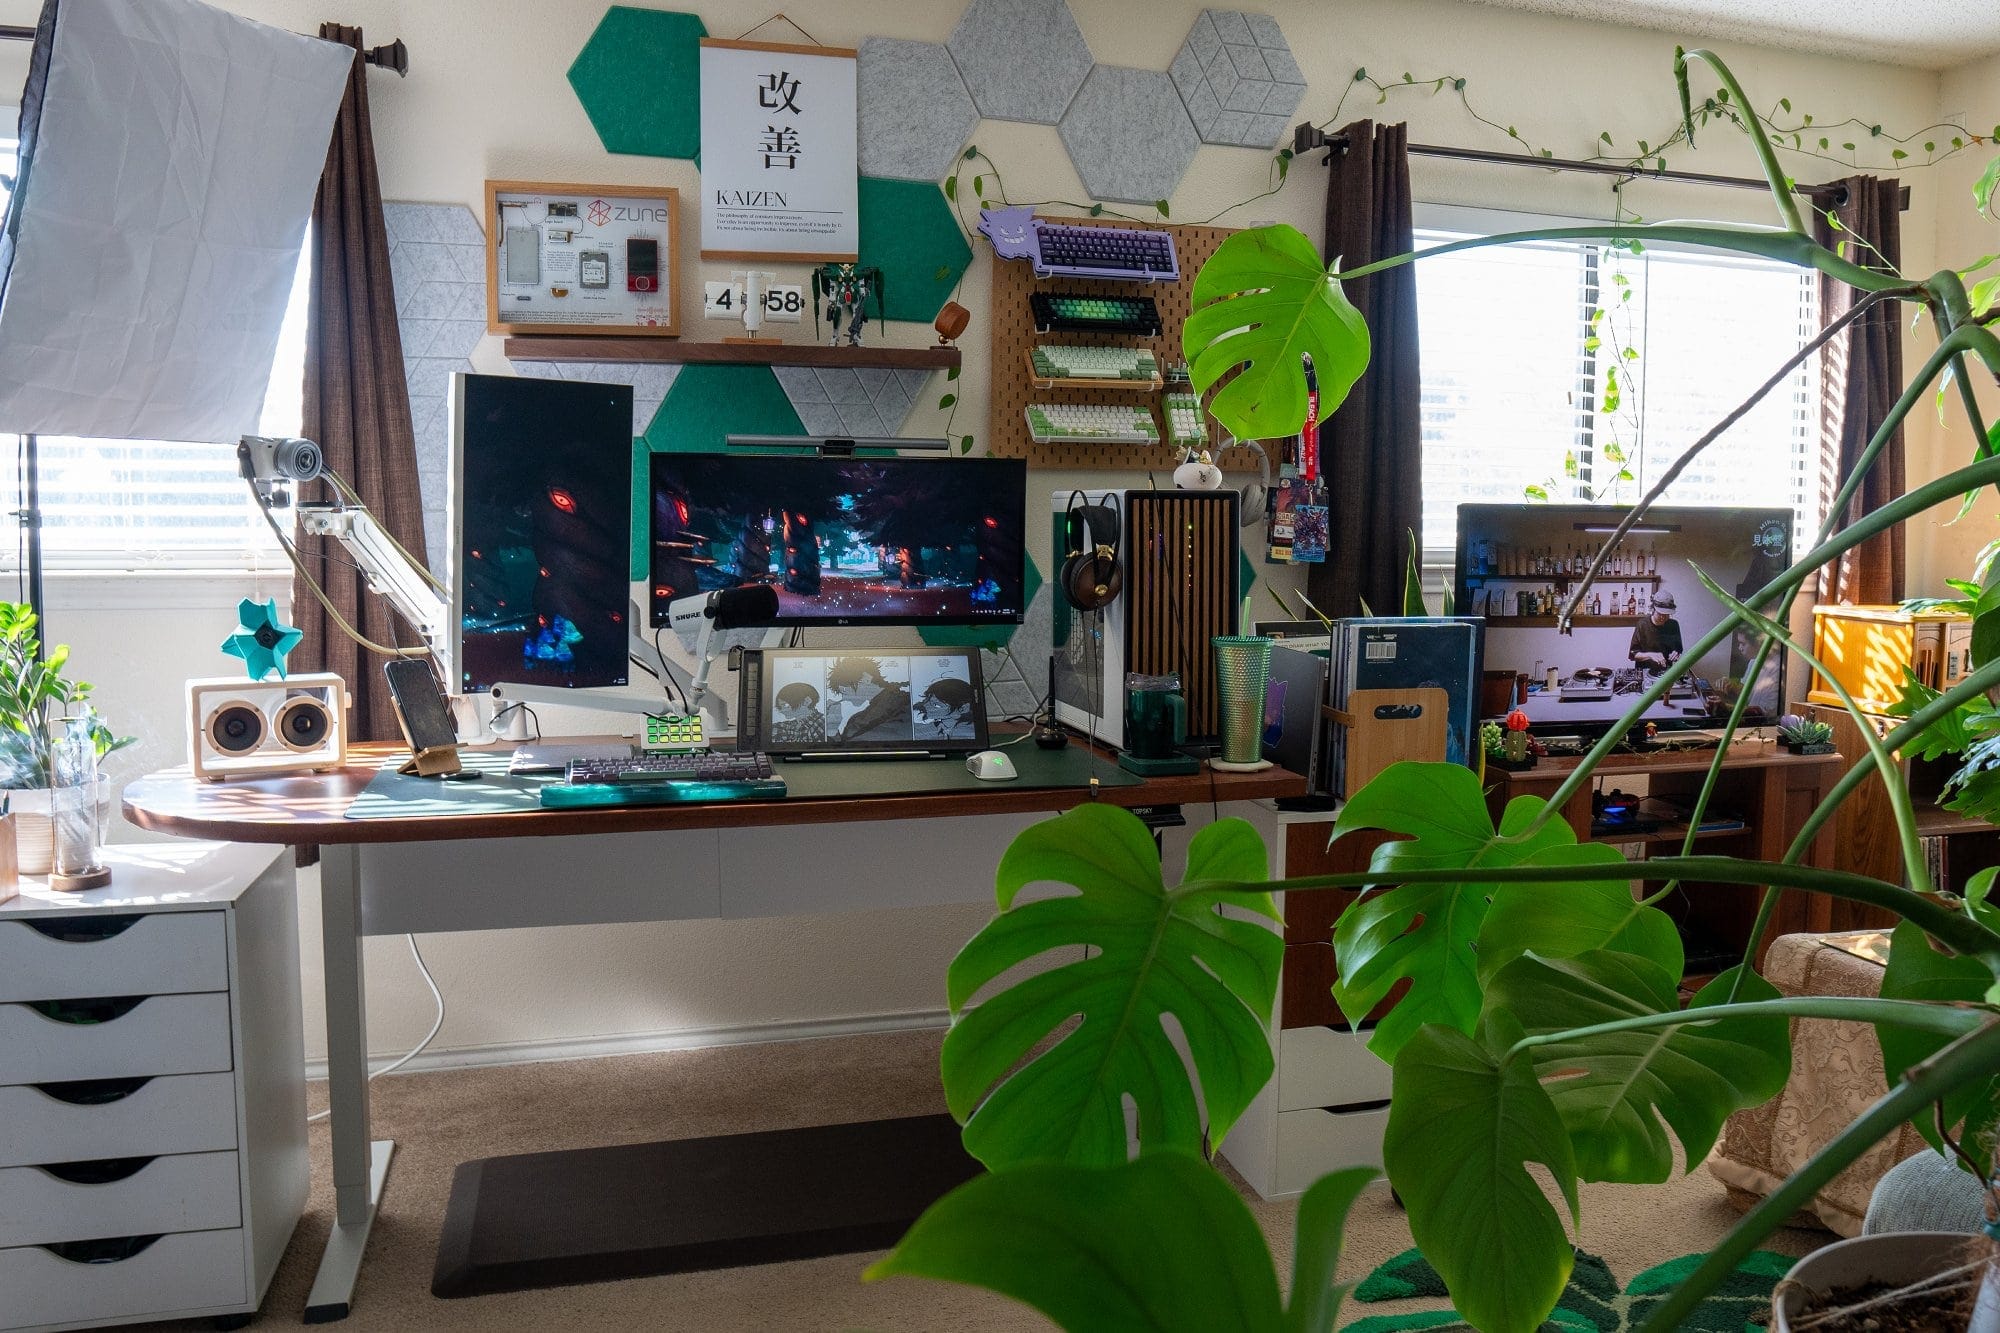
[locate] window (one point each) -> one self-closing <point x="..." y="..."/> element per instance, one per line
<point x="1581" y="372"/>
<point x="147" y="504"/>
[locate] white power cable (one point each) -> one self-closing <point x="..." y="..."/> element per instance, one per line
<point x="420" y="1047"/>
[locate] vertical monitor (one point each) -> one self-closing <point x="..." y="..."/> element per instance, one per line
<point x="541" y="528"/>
<point x="843" y="541"/>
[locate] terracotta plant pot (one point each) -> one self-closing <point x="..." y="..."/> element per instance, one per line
<point x="1895" y="1259"/>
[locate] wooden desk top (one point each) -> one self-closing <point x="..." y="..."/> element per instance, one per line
<point x="310" y="809"/>
<point x="1743" y="754"/>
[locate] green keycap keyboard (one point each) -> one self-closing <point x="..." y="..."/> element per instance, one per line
<point x="1185" y="427"/>
<point x="1051" y="423"/>
<point x="1078" y="313"/>
<point x="1095" y="363"/>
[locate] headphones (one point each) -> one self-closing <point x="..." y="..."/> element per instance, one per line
<point x="1091" y="577"/>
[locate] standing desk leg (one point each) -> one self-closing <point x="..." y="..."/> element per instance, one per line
<point x="359" y="1166"/>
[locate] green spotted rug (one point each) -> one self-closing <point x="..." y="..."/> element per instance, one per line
<point x="1593" y="1302"/>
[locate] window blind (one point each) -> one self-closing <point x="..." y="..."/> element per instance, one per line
<point x="1582" y="373"/>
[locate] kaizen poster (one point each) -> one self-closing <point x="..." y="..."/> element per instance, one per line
<point x="779" y="155"/>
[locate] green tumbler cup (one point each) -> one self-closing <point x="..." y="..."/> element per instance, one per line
<point x="1242" y="672"/>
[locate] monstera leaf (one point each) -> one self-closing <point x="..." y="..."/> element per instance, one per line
<point x="1425" y="932"/>
<point x="1613" y="1089"/>
<point x="1916" y="971"/>
<point x="1465" y="1121"/>
<point x="1153" y="951"/>
<point x="1162" y="1243"/>
<point x="1564" y="920"/>
<point x="1261" y="301"/>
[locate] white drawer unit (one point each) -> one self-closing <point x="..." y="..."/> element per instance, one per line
<point x="192" y="1273"/>
<point x="117" y="1117"/>
<point x="119" y="1196"/>
<point x="112" y="953"/>
<point x="152" y="1089"/>
<point x="119" y="1036"/>
<point x="1312" y="1143"/>
<point x="1326" y="1067"/>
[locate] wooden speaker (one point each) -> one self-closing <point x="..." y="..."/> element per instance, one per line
<point x="1181" y="576"/>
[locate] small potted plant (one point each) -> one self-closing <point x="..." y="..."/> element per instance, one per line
<point x="1804" y="737"/>
<point x="36" y="700"/>
<point x="1513" y="753"/>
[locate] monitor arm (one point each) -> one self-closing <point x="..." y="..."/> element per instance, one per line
<point x="391" y="574"/>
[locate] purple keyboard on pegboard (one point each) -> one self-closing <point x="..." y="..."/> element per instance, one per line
<point x="1058" y="250"/>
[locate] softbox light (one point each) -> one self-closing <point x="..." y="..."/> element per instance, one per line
<point x="170" y="152"/>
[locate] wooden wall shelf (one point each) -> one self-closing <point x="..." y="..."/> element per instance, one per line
<point x="555" y="347"/>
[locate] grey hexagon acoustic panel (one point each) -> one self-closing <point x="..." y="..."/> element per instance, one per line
<point x="1238" y="79"/>
<point x="861" y="401"/>
<point x="1021" y="59"/>
<point x="915" y="111"/>
<point x="437" y="261"/>
<point x="1129" y="135"/>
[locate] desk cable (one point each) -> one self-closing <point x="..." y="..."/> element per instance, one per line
<point x="416" y="1050"/>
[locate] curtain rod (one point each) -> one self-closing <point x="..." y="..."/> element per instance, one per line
<point x="393" y="55"/>
<point x="1307" y="137"/>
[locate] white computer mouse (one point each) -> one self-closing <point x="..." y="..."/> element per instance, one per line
<point x="991" y="766"/>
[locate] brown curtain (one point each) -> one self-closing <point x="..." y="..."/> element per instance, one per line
<point x="357" y="403"/>
<point x="1371" y="447"/>
<point x="1861" y="375"/>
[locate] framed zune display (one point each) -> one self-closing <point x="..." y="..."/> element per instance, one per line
<point x="581" y="258"/>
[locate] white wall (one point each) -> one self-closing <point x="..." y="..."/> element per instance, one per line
<point x="1939" y="548"/>
<point x="487" y="97"/>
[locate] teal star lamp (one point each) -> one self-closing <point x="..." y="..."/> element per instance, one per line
<point x="261" y="639"/>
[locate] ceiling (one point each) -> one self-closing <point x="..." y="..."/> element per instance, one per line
<point x="1928" y="34"/>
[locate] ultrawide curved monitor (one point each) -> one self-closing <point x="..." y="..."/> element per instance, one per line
<point x="843" y="541"/>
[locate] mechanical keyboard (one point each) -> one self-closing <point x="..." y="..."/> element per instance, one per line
<point x="1078" y="312"/>
<point x="1053" y="362"/>
<point x="661" y="779"/>
<point x="1051" y="423"/>
<point x="1185" y="427"/>
<point x="1063" y="250"/>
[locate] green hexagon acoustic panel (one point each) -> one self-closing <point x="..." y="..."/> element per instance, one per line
<point x="908" y="232"/>
<point x="639" y="79"/>
<point x="705" y="405"/>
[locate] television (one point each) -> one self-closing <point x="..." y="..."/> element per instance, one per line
<point x="843" y="541"/>
<point x="539" y="505"/>
<point x="1516" y="564"/>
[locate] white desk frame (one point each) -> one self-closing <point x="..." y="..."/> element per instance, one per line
<point x="394" y="888"/>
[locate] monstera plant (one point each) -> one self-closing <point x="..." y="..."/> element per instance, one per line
<point x="1540" y="1033"/>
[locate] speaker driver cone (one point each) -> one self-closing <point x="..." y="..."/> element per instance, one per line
<point x="235" y="727"/>
<point x="303" y="723"/>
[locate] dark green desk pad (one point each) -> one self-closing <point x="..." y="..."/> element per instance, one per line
<point x="392" y="795"/>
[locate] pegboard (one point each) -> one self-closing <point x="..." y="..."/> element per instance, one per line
<point x="1012" y="327"/>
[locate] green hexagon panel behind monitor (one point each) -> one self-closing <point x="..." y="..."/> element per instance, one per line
<point x="908" y="232"/>
<point x="639" y="79"/>
<point x="706" y="405"/>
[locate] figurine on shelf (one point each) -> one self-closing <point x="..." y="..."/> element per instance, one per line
<point x="843" y="291"/>
<point x="1514" y="755"/>
<point x="1198" y="472"/>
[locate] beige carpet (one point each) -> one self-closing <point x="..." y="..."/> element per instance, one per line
<point x="441" y="1119"/>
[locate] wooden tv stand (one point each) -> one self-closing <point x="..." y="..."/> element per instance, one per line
<point x="1769" y="789"/>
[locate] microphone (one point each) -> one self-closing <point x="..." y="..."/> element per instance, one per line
<point x="752" y="606"/>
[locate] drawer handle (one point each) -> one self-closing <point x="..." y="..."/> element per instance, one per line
<point x="93" y="1091"/>
<point x="105" y="1009"/>
<point x="115" y="1249"/>
<point x="86" y="929"/>
<point x="103" y="1171"/>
